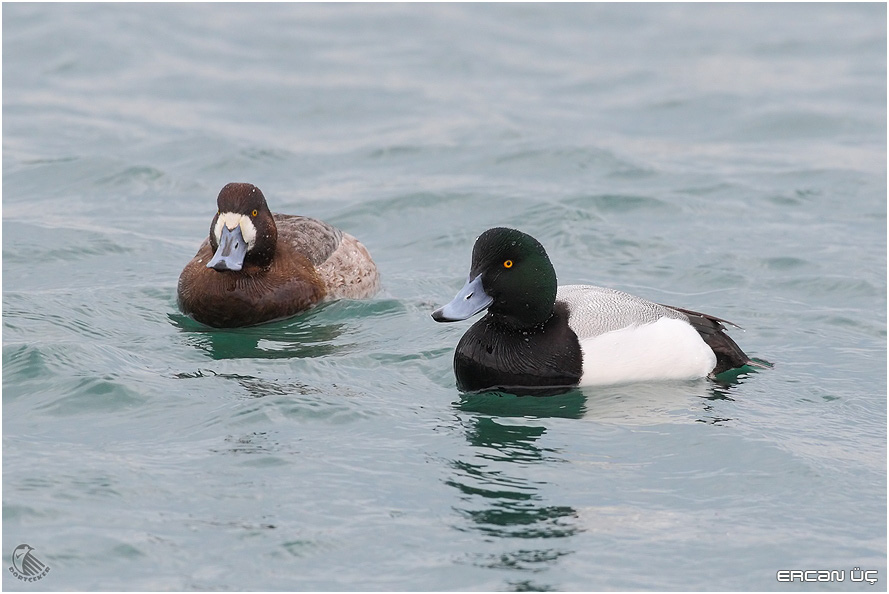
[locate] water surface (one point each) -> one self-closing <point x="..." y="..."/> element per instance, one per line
<point x="724" y="158"/>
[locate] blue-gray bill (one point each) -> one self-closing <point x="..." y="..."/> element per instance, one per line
<point x="470" y="300"/>
<point x="231" y="251"/>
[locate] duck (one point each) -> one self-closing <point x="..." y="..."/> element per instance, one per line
<point x="257" y="266"/>
<point x="539" y="337"/>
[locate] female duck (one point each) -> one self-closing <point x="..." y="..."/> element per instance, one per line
<point x="537" y="337"/>
<point x="257" y="266"/>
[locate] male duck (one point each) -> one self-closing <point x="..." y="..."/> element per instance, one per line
<point x="257" y="266"/>
<point x="537" y="337"/>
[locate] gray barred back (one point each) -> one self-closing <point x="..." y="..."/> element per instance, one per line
<point x="340" y="260"/>
<point x="315" y="239"/>
<point x="597" y="310"/>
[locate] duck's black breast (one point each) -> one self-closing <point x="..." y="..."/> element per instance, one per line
<point x="495" y="355"/>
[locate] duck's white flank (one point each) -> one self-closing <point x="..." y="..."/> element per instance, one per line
<point x="625" y="338"/>
<point x="668" y="349"/>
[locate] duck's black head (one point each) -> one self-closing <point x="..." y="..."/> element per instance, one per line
<point x="243" y="230"/>
<point x="511" y="276"/>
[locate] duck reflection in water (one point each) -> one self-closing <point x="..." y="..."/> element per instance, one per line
<point x="499" y="494"/>
<point x="497" y="497"/>
<point x="297" y="337"/>
<point x="637" y="404"/>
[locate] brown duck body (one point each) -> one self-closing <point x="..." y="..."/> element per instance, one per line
<point x="311" y="262"/>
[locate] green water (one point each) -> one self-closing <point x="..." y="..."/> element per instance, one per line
<point x="724" y="158"/>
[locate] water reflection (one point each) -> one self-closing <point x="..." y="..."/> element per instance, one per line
<point x="501" y="493"/>
<point x="570" y="405"/>
<point x="303" y="336"/>
<point x="256" y="387"/>
<point x="498" y="496"/>
<point x="311" y="334"/>
<point x="701" y="401"/>
<point x="643" y="403"/>
<point x="529" y="586"/>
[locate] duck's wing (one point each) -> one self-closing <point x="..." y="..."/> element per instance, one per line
<point x="342" y="262"/>
<point x="596" y="310"/>
<point x="315" y="239"/>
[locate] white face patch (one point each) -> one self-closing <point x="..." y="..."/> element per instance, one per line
<point x="232" y="220"/>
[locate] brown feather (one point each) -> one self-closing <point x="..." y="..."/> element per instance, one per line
<point x="296" y="263"/>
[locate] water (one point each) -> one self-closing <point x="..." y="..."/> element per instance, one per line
<point x="725" y="158"/>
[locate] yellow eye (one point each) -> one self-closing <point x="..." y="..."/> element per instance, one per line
<point x="507" y="264"/>
<point x="255" y="212"/>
